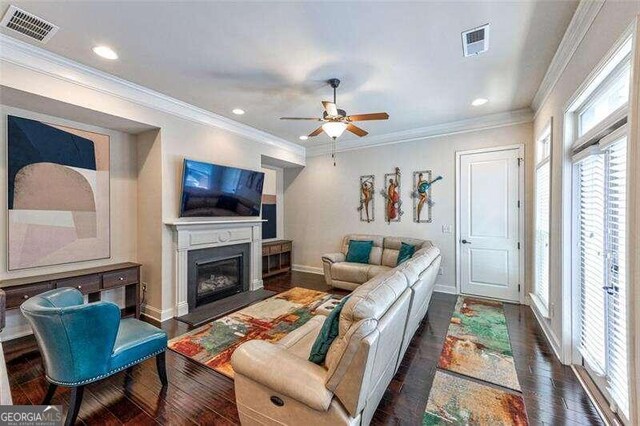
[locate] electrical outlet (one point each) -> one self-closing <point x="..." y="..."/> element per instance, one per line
<point x="144" y="286"/>
<point x="441" y="270"/>
<point x="447" y="229"/>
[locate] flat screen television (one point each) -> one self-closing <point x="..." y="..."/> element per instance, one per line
<point x="214" y="190"/>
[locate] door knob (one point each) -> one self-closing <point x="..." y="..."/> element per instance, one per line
<point x="465" y="242"/>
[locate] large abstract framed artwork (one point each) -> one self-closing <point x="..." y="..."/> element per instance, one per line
<point x="58" y="194"/>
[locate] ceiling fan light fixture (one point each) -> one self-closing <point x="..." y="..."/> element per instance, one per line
<point x="334" y="128"/>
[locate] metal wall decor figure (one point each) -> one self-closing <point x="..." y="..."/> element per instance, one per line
<point x="422" y="195"/>
<point x="391" y="193"/>
<point x="367" y="190"/>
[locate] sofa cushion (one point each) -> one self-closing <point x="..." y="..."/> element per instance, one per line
<point x="405" y="253"/>
<point x="359" y="251"/>
<point x="300" y="340"/>
<point x="390" y="257"/>
<point x="375" y="270"/>
<point x="394" y="243"/>
<point x="327" y="335"/>
<point x="375" y="257"/>
<point x="371" y="300"/>
<point x="350" y="272"/>
<point x="418" y="264"/>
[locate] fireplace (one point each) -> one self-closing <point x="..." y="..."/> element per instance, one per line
<point x="217" y="272"/>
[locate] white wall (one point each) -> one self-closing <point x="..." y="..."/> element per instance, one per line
<point x="180" y="136"/>
<point x="612" y="20"/>
<point x="321" y="200"/>
<point x="124" y="202"/>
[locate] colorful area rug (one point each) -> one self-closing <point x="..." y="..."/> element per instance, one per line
<point x="477" y="343"/>
<point x="477" y="346"/>
<point x="213" y="344"/>
<point x="457" y="401"/>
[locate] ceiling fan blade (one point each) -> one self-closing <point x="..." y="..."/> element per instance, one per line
<point x="368" y="117"/>
<point x="357" y="130"/>
<point x="316" y="132"/>
<point x="301" y="118"/>
<point x="331" y="108"/>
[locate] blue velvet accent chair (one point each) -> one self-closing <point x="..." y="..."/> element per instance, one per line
<point x="82" y="343"/>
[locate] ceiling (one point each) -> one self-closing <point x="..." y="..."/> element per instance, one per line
<point x="272" y="59"/>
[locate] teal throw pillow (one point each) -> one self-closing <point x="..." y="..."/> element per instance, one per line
<point x="405" y="253"/>
<point x="328" y="333"/>
<point x="359" y="251"/>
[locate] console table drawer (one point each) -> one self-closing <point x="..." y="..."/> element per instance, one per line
<point x="275" y="249"/>
<point x="86" y="284"/>
<point x="17" y="295"/>
<point x="120" y="278"/>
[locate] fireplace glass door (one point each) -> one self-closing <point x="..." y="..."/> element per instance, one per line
<point x="218" y="278"/>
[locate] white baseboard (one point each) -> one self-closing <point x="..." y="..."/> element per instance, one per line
<point x="157" y="314"/>
<point x="445" y="289"/>
<point x="548" y="333"/>
<point x="309" y="269"/>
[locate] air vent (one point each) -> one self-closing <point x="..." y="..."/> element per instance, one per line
<point x="28" y="24"/>
<point x="475" y="41"/>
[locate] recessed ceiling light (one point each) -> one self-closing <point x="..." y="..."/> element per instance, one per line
<point x="238" y="111"/>
<point x="479" y="101"/>
<point x="105" y="52"/>
<point x="303" y="137"/>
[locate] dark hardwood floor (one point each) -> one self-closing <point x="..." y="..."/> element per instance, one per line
<point x="198" y="395"/>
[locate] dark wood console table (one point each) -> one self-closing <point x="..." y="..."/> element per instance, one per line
<point x="276" y="257"/>
<point x="91" y="281"/>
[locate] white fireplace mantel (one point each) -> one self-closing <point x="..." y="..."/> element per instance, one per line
<point x="192" y="234"/>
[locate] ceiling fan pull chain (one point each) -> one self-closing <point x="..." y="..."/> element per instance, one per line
<point x="333" y="152"/>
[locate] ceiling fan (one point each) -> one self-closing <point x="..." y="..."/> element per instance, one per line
<point x="336" y="121"/>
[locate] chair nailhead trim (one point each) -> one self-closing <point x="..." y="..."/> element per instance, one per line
<point x="102" y="376"/>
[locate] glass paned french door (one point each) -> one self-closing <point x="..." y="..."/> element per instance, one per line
<point x="601" y="228"/>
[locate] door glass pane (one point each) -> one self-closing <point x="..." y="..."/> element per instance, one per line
<point x="617" y="376"/>
<point x="592" y="259"/>
<point x="543" y="174"/>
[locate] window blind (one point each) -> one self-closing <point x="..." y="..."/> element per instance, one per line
<point x="602" y="255"/>
<point x="543" y="182"/>
<point x="591" y="252"/>
<point x="615" y="217"/>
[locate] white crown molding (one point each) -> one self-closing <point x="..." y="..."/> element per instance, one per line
<point x="583" y="17"/>
<point x="484" y="122"/>
<point x="40" y="60"/>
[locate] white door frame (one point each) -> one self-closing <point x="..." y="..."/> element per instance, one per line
<point x="521" y="216"/>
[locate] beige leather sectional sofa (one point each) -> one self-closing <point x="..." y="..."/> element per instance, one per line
<point x="276" y="384"/>
<point x="384" y="255"/>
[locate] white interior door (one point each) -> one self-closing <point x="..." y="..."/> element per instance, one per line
<point x="488" y="237"/>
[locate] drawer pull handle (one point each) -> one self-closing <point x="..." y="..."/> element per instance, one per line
<point x="79" y="287"/>
<point x="121" y="279"/>
<point x="25" y="297"/>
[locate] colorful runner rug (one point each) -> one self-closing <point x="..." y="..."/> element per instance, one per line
<point x="457" y="401"/>
<point x="477" y="343"/>
<point x="477" y="346"/>
<point x="213" y="344"/>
